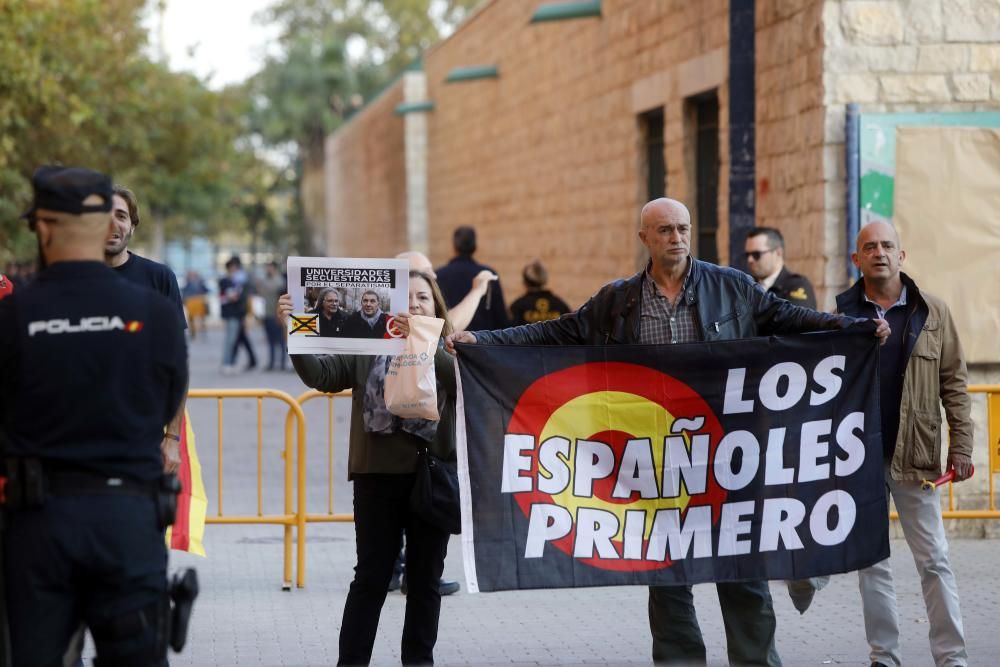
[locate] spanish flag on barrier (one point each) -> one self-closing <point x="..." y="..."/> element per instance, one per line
<point x="188" y="530"/>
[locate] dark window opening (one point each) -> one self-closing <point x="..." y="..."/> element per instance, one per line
<point x="706" y="121"/>
<point x="651" y="127"/>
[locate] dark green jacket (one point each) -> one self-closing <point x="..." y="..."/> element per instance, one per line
<point x="369" y="452"/>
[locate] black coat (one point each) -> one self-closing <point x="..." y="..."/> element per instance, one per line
<point x="795" y="288"/>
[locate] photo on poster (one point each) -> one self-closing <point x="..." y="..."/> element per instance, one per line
<point x="344" y="305"/>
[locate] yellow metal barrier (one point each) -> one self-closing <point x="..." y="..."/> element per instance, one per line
<point x="301" y="515"/>
<point x="992" y="392"/>
<point x="294" y="512"/>
<point x="329" y="516"/>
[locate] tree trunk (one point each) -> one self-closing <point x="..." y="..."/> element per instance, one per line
<point x="312" y="197"/>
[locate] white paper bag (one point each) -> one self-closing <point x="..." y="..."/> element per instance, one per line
<point x="410" y="383"/>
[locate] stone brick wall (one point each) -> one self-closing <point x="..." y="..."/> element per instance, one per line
<point x="365" y="178"/>
<point x="905" y="56"/>
<point x="895" y="56"/>
<point x="789" y="125"/>
<point x="545" y="161"/>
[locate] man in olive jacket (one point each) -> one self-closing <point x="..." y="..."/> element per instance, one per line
<point x="920" y="367"/>
<point x="679" y="299"/>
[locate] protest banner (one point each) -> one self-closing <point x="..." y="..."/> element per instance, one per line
<point x="670" y="464"/>
<point x="345" y="305"/>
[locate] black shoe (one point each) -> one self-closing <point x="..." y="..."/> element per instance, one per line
<point x="394" y="583"/>
<point x="447" y="587"/>
<point x="879" y="664"/>
<point x="444" y="587"/>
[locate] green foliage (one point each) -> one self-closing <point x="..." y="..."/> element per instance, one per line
<point x="77" y="88"/>
<point x="412" y="27"/>
<point x="333" y="56"/>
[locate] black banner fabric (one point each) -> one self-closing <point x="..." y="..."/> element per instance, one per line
<point x="596" y="466"/>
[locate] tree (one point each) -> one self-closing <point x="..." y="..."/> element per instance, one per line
<point x="76" y="87"/>
<point x="312" y="85"/>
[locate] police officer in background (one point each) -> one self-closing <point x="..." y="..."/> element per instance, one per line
<point x="765" y="255"/>
<point x="93" y="367"/>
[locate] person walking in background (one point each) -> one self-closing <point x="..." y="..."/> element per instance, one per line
<point x="382" y="461"/>
<point x="233" y="297"/>
<point x="538" y="304"/>
<point x="242" y="338"/>
<point x="463" y="312"/>
<point x="921" y="368"/>
<point x="765" y="255"/>
<point x="456" y="281"/>
<point x="195" y="302"/>
<point x="270" y="287"/>
<point x="679" y="299"/>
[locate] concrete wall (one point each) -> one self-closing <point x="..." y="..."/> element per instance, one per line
<point x="545" y="161"/>
<point x="365" y="176"/>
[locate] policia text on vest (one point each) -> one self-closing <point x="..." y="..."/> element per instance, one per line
<point x="93" y="367"/>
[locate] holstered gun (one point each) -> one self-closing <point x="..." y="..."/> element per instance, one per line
<point x="183" y="591"/>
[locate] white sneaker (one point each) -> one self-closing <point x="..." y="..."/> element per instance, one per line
<point x="229" y="370"/>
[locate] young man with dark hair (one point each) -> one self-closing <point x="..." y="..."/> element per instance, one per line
<point x="152" y="275"/>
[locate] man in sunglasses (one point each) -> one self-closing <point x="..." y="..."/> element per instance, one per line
<point x="765" y="254"/>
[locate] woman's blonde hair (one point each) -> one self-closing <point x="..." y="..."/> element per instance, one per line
<point x="440" y="309"/>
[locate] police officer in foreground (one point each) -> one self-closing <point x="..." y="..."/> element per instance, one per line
<point x="92" y="368"/>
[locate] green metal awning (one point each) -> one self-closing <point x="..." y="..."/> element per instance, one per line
<point x="413" y="107"/>
<point x="472" y="73"/>
<point x="564" y="11"/>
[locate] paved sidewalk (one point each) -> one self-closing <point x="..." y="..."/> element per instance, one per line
<point x="244" y="618"/>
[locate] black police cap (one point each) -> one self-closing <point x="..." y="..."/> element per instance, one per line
<point x="64" y="189"/>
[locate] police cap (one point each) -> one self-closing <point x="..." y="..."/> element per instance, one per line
<point x="64" y="189"/>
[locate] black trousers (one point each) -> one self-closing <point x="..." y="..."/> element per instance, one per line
<point x="381" y="515"/>
<point x="96" y="560"/>
<point x="747" y="613"/>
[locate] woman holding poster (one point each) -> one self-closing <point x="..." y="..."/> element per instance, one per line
<point x="381" y="463"/>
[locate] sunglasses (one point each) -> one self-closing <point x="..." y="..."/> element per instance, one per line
<point x="755" y="255"/>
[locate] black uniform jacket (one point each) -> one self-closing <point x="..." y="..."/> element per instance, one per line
<point x="91" y="368"/>
<point x="795" y="288"/>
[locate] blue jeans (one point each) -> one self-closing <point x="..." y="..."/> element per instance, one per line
<point x="229" y="344"/>
<point x="276" y="354"/>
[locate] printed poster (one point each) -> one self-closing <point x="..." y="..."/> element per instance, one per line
<point x="345" y="305"/>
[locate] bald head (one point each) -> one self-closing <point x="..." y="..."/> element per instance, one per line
<point x="877" y="230"/>
<point x="664" y="209"/>
<point x="879" y="254"/>
<point x="665" y="230"/>
<point x="418" y="262"/>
